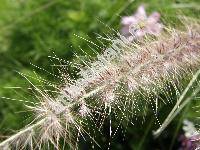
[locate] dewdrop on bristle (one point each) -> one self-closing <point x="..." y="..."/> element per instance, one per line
<point x="110" y="82"/>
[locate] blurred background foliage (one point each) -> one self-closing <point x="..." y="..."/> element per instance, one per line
<point x="31" y="30"/>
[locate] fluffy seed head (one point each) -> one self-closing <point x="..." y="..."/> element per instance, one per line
<point x="113" y="81"/>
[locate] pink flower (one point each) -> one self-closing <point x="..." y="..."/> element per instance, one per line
<point x="139" y="24"/>
<point x="190" y="140"/>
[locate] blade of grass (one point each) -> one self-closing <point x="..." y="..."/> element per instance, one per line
<point x="178" y="107"/>
<point x="180" y="122"/>
<point x="145" y="134"/>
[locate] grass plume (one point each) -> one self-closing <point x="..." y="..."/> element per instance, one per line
<point x="112" y="84"/>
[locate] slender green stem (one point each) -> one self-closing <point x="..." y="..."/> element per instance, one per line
<point x="145" y="134"/>
<point x="177" y="108"/>
<point x="15" y="136"/>
<point x="178" y="126"/>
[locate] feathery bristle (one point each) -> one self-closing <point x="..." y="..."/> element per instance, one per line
<point x="112" y="81"/>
